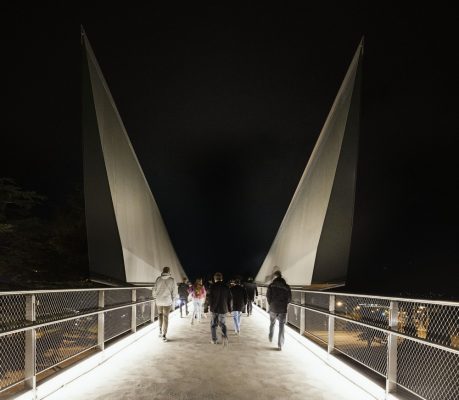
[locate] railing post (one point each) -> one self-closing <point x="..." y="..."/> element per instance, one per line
<point x="260" y="297"/>
<point x="101" y="322"/>
<point x="391" y="379"/>
<point x="302" y="314"/>
<point x="134" y="311"/>
<point x="30" y="345"/>
<point x="152" y="306"/>
<point x="331" y="324"/>
<point x="267" y="304"/>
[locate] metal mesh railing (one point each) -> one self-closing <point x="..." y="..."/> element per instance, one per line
<point x="363" y="344"/>
<point x="430" y="372"/>
<point x="316" y="325"/>
<point x="52" y="306"/>
<point x="293" y="315"/>
<point x="44" y="329"/>
<point x="369" y="310"/>
<point x="436" y="323"/>
<point x="12" y="312"/>
<point x="117" y="322"/>
<point x="63" y="340"/>
<point x="414" y="344"/>
<point x="116" y="297"/>
<point x="12" y="360"/>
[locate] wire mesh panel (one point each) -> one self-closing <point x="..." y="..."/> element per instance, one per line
<point x="60" y="341"/>
<point x="317" y="325"/>
<point x="12" y="359"/>
<point x="117" y="297"/>
<point x="144" y="294"/>
<point x="12" y="312"/>
<point x="54" y="305"/>
<point x="369" y="310"/>
<point x="318" y="300"/>
<point x="117" y="322"/>
<point x="296" y="297"/>
<point x="429" y="372"/>
<point x="143" y="313"/>
<point x="293" y="315"/>
<point x="435" y="322"/>
<point x="365" y="345"/>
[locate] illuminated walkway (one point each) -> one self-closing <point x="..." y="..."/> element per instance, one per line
<point x="189" y="367"/>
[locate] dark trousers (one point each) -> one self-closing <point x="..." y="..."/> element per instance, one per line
<point x="249" y="307"/>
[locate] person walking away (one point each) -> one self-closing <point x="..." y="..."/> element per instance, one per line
<point x="207" y="285"/>
<point x="239" y="295"/>
<point x="278" y="296"/>
<point x="183" y="295"/>
<point x="198" y="294"/>
<point x="252" y="291"/>
<point x="220" y="300"/>
<point x="165" y="294"/>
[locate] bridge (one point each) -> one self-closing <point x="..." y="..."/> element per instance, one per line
<point x="103" y="344"/>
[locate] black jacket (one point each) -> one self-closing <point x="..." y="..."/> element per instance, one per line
<point x="239" y="297"/>
<point x="252" y="290"/>
<point x="278" y="295"/>
<point x="183" y="290"/>
<point x="220" y="298"/>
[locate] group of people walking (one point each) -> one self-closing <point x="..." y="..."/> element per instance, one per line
<point x="221" y="299"/>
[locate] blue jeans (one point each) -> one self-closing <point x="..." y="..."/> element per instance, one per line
<point x="218" y="319"/>
<point x="237" y="320"/>
<point x="281" y="317"/>
<point x="183" y="302"/>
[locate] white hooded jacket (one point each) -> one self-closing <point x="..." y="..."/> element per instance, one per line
<point x="165" y="290"/>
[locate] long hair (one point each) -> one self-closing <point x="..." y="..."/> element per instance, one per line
<point x="197" y="287"/>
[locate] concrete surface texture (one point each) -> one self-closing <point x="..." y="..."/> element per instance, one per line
<point x="189" y="367"/>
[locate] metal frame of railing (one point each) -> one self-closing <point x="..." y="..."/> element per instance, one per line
<point x="412" y="343"/>
<point x="42" y="329"/>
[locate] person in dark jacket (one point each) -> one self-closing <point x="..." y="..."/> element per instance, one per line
<point x="278" y="296"/>
<point x="183" y="295"/>
<point x="239" y="295"/>
<point x="220" y="301"/>
<point x="252" y="291"/>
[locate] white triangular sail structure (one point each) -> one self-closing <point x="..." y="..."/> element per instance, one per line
<point x="313" y="242"/>
<point x="127" y="238"/>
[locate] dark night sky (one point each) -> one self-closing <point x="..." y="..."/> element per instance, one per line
<point x="223" y="107"/>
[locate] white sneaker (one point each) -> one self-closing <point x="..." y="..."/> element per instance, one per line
<point x="164" y="339"/>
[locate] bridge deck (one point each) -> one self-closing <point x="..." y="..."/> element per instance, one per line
<point x="189" y="367"/>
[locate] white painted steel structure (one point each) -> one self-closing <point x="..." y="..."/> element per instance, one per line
<point x="127" y="237"/>
<point x="313" y="241"/>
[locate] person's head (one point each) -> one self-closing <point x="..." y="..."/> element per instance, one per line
<point x="249" y="279"/>
<point x="237" y="280"/>
<point x="184" y="279"/>
<point x="218" y="277"/>
<point x="166" y="270"/>
<point x="198" y="281"/>
<point x="277" y="274"/>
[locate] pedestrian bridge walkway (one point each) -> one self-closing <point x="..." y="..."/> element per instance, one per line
<point x="189" y="367"/>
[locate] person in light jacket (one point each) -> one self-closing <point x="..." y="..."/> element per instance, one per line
<point x="165" y="294"/>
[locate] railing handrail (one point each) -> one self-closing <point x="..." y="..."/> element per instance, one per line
<point x="73" y="290"/>
<point x="372" y="296"/>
